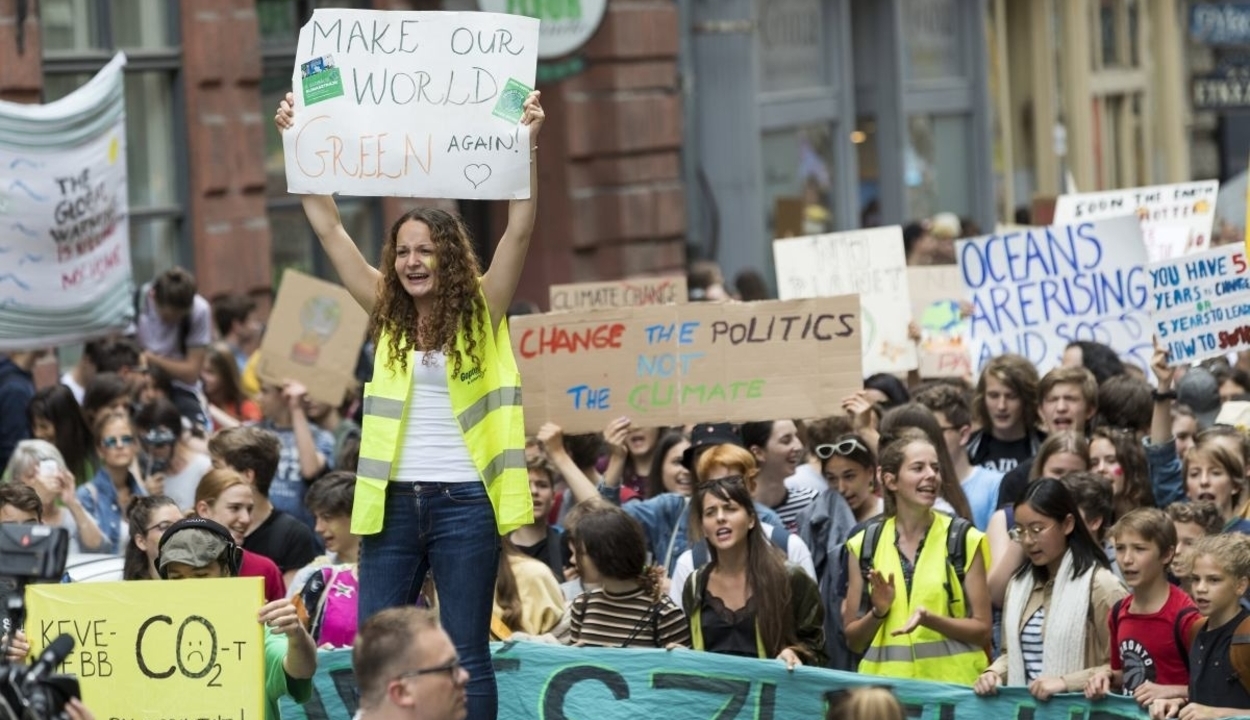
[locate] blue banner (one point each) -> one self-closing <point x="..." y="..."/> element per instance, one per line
<point x="548" y="682"/>
<point x="1224" y="23"/>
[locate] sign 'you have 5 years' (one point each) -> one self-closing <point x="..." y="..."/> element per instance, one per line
<point x="678" y="364"/>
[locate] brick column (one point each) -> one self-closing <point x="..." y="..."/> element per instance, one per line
<point x="229" y="228"/>
<point x="21" y="67"/>
<point x="611" y="198"/>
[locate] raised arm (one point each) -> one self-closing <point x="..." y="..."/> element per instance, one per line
<point x="360" y="278"/>
<point x="500" y="281"/>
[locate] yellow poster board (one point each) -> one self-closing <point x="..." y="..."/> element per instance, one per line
<point x="153" y="649"/>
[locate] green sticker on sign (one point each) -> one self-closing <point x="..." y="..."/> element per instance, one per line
<point x="321" y="80"/>
<point x="512" y="101"/>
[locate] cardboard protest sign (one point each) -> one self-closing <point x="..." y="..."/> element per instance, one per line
<point x="1235" y="413"/>
<point x="1200" y="304"/>
<point x="677" y="364"/>
<point x="869" y="263"/>
<point x="1175" y="219"/>
<point x="314" y="336"/>
<point x="64" y="225"/>
<point x="936" y="294"/>
<point x="148" y="650"/>
<point x="1034" y="291"/>
<point x="619" y="293"/>
<point x="415" y="104"/>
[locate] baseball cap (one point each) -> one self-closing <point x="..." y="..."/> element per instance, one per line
<point x="195" y="542"/>
<point x="1199" y="389"/>
<point x="707" y="435"/>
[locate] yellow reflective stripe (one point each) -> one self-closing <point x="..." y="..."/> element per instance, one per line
<point x="918" y="651"/>
<point x="384" y="407"/>
<point x="377" y="469"/>
<point x="510" y="459"/>
<point x="488" y="403"/>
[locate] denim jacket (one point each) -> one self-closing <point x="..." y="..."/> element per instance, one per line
<point x="99" y="500"/>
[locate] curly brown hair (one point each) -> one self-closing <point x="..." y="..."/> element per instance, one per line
<point x="458" y="303"/>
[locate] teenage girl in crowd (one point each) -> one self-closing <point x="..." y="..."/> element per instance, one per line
<point x="631" y="458"/>
<point x="55" y="416"/>
<point x="1055" y="632"/>
<point x="108" y="494"/>
<point x="1215" y="472"/>
<point x="778" y="452"/>
<point x="328" y="590"/>
<point x="910" y="615"/>
<point x="228" y="405"/>
<point x="149" y="517"/>
<point x="668" y="474"/>
<point x="628" y="609"/>
<point x="747" y="600"/>
<point x="225" y="497"/>
<point x="1062" y="453"/>
<point x="430" y="494"/>
<point x="951" y="498"/>
<point x="1217" y="653"/>
<point x="850" y="467"/>
<point x="1120" y="458"/>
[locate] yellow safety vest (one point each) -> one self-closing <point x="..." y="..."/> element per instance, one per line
<point x="486" y="401"/>
<point x="924" y="653"/>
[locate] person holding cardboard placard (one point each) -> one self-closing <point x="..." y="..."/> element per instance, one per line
<point x="442" y="452"/>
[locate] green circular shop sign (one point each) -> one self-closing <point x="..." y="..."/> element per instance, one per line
<point x="566" y="24"/>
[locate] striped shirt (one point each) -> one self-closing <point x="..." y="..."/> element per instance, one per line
<point x="601" y="619"/>
<point x="796" y="501"/>
<point x="1031" y="644"/>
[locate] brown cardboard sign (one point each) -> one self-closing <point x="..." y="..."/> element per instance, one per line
<point x="618" y="293"/>
<point x="678" y="364"/>
<point x="314" y="336"/>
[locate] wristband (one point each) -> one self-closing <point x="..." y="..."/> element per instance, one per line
<point x="1163" y="396"/>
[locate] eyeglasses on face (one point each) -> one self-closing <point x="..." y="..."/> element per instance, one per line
<point x="846" y="447"/>
<point x="160" y="526"/>
<point x="117" y="441"/>
<point x="1020" y="534"/>
<point x="452" y="669"/>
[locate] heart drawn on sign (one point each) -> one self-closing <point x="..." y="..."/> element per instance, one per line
<point x="477" y="174"/>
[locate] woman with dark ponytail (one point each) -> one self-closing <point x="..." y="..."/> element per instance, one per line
<point x="629" y="608"/>
<point x="747" y="600"/>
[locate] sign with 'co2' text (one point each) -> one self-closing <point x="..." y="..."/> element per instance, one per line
<point x="678" y="364"/>
<point x="149" y="650"/>
<point x="1035" y="290"/>
<point x="1200" y="304"/>
<point x="416" y="104"/>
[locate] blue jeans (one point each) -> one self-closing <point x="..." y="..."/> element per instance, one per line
<point x="449" y="529"/>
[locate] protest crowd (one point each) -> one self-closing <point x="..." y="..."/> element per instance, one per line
<point x="1078" y="525"/>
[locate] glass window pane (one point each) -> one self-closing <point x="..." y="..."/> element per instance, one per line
<point x="798" y="181"/>
<point x="360" y="219"/>
<point x="792" y="44"/>
<point x="150" y="139"/>
<point x="141" y="24"/>
<point x="69" y="24"/>
<point x="274" y="84"/>
<point x="292" y="241"/>
<point x="865" y="140"/>
<point x="1107" y="31"/>
<point x="937" y="166"/>
<point x="277" y="22"/>
<point x="932" y="38"/>
<point x="155" y="246"/>
<point x="58" y="86"/>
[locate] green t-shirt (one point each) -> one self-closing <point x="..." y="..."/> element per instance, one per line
<point x="277" y="682"/>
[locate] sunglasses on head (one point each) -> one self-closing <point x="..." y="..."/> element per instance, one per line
<point x="846" y="447"/>
<point x="116" y="441"/>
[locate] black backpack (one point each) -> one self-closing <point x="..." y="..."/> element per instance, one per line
<point x="956" y="550"/>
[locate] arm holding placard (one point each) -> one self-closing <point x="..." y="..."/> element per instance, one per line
<point x="1166" y="478"/>
<point x="584" y="491"/>
<point x="500" y="281"/>
<point x="358" y="276"/>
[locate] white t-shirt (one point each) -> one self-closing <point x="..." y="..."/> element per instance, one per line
<point x="161" y="338"/>
<point x="181" y="487"/>
<point x="68" y="381"/>
<point x="797" y="553"/>
<point x="433" y="447"/>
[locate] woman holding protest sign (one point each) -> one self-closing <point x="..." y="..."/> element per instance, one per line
<point x="442" y="453"/>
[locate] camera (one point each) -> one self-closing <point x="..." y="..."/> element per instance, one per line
<point x="32" y="553"/>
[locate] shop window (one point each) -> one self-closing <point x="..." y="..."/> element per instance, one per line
<point x="933" y="46"/>
<point x="798" y="181"/>
<point x="80" y="25"/>
<point x="793" y="47"/>
<point x="937" y="165"/>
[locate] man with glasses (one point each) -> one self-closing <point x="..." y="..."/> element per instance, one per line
<point x="199" y="548"/>
<point x="406" y="667"/>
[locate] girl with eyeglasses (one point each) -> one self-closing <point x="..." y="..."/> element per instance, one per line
<point x="109" y="493"/>
<point x="1055" y="631"/>
<point x="148" y="518"/>
<point x="913" y="607"/>
<point x="850" y="468"/>
<point x="748" y="601"/>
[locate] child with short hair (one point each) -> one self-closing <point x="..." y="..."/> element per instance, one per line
<point x="1193" y="520"/>
<point x="1148" y="654"/>
<point x="1219" y="656"/>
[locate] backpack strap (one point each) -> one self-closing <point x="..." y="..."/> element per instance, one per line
<point x="1177" y="636"/>
<point x="1239" y="653"/>
<point x="699" y="554"/>
<point x="780" y="537"/>
<point x="555" y="550"/>
<point x="957" y="546"/>
<point x="1115" y="621"/>
<point x="872" y="536"/>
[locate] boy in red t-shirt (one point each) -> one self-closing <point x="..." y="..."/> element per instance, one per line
<point x="1149" y="659"/>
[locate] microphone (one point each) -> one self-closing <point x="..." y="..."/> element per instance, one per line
<point x="52" y="656"/>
